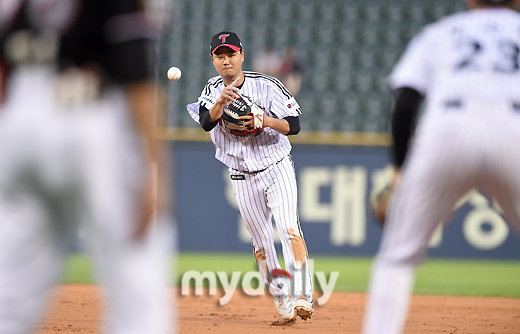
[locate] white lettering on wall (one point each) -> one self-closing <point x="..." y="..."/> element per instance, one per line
<point x="346" y="210"/>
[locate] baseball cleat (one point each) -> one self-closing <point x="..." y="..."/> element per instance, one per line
<point x="303" y="308"/>
<point x="284" y="306"/>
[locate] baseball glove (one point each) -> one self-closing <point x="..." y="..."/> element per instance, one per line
<point x="240" y="107"/>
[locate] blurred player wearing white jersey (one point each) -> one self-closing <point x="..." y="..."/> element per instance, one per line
<point x="260" y="167"/>
<point x="467" y="66"/>
<point x="77" y="147"/>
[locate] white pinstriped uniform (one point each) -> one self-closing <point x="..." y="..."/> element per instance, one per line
<point x="473" y="59"/>
<point x="262" y="172"/>
<point x="257" y="152"/>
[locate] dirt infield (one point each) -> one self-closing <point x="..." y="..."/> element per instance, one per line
<point x="76" y="309"/>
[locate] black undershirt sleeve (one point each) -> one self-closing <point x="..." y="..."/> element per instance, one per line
<point x="294" y="125"/>
<point x="205" y="119"/>
<point x="404" y="114"/>
<point x="208" y="125"/>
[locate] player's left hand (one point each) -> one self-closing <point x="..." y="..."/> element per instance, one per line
<point x="248" y="121"/>
<point x="154" y="197"/>
<point x="242" y="117"/>
<point x="382" y="198"/>
<point x="146" y="212"/>
<point x="254" y="119"/>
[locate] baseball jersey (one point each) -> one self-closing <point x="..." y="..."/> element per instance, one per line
<point x="473" y="55"/>
<point x="250" y="153"/>
<point x="467" y="67"/>
<point x="105" y="34"/>
<point x="71" y="158"/>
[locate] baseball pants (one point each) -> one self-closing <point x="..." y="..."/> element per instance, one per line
<point x="477" y="146"/>
<point x="273" y="193"/>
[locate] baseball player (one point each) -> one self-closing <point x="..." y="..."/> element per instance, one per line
<point x="260" y="167"/>
<point x="467" y="66"/>
<point x="77" y="147"/>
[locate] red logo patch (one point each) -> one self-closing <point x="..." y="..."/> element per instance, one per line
<point x="289" y="106"/>
<point x="223" y="37"/>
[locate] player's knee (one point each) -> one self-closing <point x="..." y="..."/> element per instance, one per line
<point x="260" y="254"/>
<point x="298" y="248"/>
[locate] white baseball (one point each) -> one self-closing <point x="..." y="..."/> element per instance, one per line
<point x="174" y="73"/>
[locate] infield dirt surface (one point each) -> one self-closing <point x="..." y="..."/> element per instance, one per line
<point x="76" y="309"/>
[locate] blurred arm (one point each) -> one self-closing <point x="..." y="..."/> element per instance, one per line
<point x="145" y="112"/>
<point x="404" y="114"/>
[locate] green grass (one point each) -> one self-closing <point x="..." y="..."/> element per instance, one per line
<point x="472" y="278"/>
<point x="438" y="277"/>
<point x="78" y="270"/>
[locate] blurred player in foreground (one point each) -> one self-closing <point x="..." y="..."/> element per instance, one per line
<point x="467" y="66"/>
<point x="77" y="148"/>
<point x="257" y="152"/>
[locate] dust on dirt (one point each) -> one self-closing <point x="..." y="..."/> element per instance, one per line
<point x="77" y="309"/>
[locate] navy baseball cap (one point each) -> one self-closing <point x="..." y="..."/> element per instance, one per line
<point x="225" y="38"/>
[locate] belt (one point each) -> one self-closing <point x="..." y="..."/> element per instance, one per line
<point x="259" y="171"/>
<point x="455" y="104"/>
<point x="250" y="173"/>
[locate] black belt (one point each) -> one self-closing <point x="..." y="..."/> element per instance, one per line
<point x="250" y="173"/>
<point x="258" y="171"/>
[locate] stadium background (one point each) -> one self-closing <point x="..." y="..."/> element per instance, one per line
<point x="347" y="49"/>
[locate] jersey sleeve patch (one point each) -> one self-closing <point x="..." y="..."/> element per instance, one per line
<point x="207" y="101"/>
<point x="293" y="106"/>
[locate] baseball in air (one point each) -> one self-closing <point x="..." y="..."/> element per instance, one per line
<point x="174" y="73"/>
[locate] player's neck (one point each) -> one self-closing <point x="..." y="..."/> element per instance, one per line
<point x="475" y="4"/>
<point x="228" y="80"/>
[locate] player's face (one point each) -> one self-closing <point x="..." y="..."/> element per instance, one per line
<point x="227" y="62"/>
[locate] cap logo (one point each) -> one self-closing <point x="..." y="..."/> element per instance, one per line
<point x="223" y="37"/>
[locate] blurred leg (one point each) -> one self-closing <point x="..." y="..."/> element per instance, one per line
<point x="31" y="243"/>
<point x="134" y="273"/>
<point x="431" y="183"/>
<point x="502" y="180"/>
<point x="30" y="260"/>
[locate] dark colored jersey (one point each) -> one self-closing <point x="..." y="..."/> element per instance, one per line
<point x="77" y="33"/>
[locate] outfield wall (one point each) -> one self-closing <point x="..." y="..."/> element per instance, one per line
<point x="334" y="185"/>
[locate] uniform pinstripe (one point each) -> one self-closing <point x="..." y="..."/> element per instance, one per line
<point x="268" y="187"/>
<point x="474" y="144"/>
